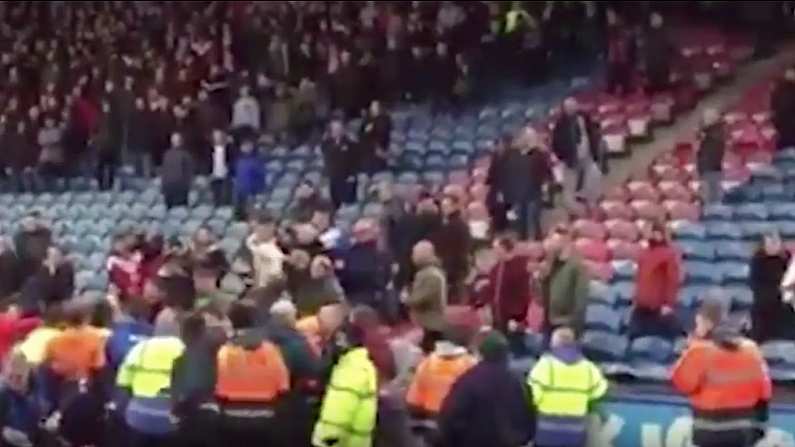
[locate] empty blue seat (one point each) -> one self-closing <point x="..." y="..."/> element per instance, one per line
<point x="435" y="162"/>
<point x="600" y="292"/>
<point x="696" y="250"/>
<point x="751" y="211"/>
<point x="408" y="178"/>
<point x="756" y="229"/>
<point x="689" y="230"/>
<point x="624" y="269"/>
<point x="734" y="272"/>
<point x="601" y="317"/>
<point x="603" y="346"/>
<point x="733" y="250"/>
<point x="724" y="230"/>
<point x="779" y="353"/>
<point x="703" y="272"/>
<point x="718" y="212"/>
<point x="463" y="146"/>
<point x="775" y="191"/>
<point x="434" y="177"/>
<point x="651" y="349"/>
<point x="691" y="295"/>
<point x="741" y="297"/>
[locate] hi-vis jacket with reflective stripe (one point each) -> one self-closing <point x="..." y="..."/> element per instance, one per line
<point x="563" y="393"/>
<point x="727" y="385"/>
<point x="146" y="371"/>
<point x="349" y="407"/>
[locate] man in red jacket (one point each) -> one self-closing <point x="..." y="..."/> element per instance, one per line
<point x="509" y="285"/>
<point x="658" y="281"/>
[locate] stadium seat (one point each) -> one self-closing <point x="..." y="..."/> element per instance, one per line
<point x="734" y="272"/>
<point x="690" y="230"/>
<point x="724" y="230"/>
<point x="718" y="212"/>
<point x="604" y="318"/>
<point x="741" y="297"/>
<point x="751" y="211"/>
<point x="624" y="230"/>
<point x="590" y="229"/>
<point x="603" y="346"/>
<point x="695" y="250"/>
<point x="779" y="353"/>
<point x="617" y="210"/>
<point x="648" y="210"/>
<point x="624" y="250"/>
<point x="703" y="272"/>
<point x="624" y="291"/>
<point x="651" y="349"/>
<point x="599" y="292"/>
<point x="734" y="250"/>
<point x="624" y="269"/>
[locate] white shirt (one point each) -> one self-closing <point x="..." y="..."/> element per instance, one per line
<point x="220" y="169"/>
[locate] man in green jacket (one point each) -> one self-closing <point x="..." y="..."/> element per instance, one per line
<point x="567" y="284"/>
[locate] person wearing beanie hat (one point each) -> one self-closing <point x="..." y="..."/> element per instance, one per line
<point x="492" y="395"/>
<point x="724" y="375"/>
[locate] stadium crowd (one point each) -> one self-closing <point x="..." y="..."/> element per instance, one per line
<point x="307" y="335"/>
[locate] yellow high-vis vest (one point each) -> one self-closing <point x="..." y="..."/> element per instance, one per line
<point x="561" y="389"/>
<point x="146" y="370"/>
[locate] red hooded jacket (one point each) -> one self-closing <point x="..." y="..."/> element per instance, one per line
<point x="658" y="277"/>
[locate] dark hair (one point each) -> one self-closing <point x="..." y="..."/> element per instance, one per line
<point x="138" y="309"/>
<point x="102" y="314"/>
<point x="507" y="241"/>
<point x="192" y="327"/>
<point x="53" y="315"/>
<point x="242" y="314"/>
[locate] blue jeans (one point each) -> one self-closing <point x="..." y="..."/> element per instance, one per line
<point x="528" y="223"/>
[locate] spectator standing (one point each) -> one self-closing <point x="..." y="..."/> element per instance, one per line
<point x="223" y="160"/>
<point x="427" y="298"/>
<point x="301" y="362"/>
<point x="124" y="266"/>
<point x="709" y="160"/>
<point x="364" y="270"/>
<point x="24" y="413"/>
<point x="267" y="257"/>
<point x="443" y="74"/>
<point x="348" y="413"/>
<point x="279" y="112"/>
<point x="492" y="395"/>
<point x="10" y="278"/>
<point x="620" y="55"/>
<point x="52" y="283"/>
<point x="142" y="138"/>
<point x="128" y="330"/>
<point x="726" y="380"/>
<point x="249" y="176"/>
<point x="252" y="379"/>
<point x="24" y="154"/>
<point x="246" y="117"/>
<point x="374" y="139"/>
<point x="782" y="103"/>
<point x="31" y="243"/>
<point x="576" y="144"/>
<point x="453" y="244"/>
<point x="567" y="286"/>
<point x="437" y="374"/>
<point x="656" y="289"/>
<point x="508" y="286"/>
<point x="519" y="178"/>
<point x="304" y="111"/>
<point x="311" y="282"/>
<point x="771" y="279"/>
<point x="51" y="158"/>
<point x="177" y="173"/>
<point x="307" y="201"/>
<point x="565" y="387"/>
<point x="107" y="143"/>
<point x="341" y="161"/>
<point x="346" y="84"/>
<point x="659" y="53"/>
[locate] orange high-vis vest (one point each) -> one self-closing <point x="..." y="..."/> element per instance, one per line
<point x="251" y="375"/>
<point x="310" y="328"/>
<point x="434" y="378"/>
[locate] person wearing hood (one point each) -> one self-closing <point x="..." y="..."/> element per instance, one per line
<point x="656" y="288"/>
<point x="252" y="378"/>
<point x="565" y="387"/>
<point x="725" y="378"/>
<point x="437" y="373"/>
<point x="487" y="405"/>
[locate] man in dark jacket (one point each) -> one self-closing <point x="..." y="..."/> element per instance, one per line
<point x="442" y="72"/>
<point x="453" y="243"/>
<point x="10" y="280"/>
<point x="710" y="156"/>
<point x="177" y="173"/>
<point x="491" y="395"/>
<point x="783" y="105"/>
<point x="659" y="52"/>
<point x="341" y="164"/>
<point x="374" y="139"/>
<point x="519" y="178"/>
<point x="51" y="283"/>
<point x="363" y="269"/>
<point x="31" y="244"/>
<point x="346" y="85"/>
<point x="576" y="143"/>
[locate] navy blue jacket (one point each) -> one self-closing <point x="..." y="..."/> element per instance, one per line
<point x="126" y="333"/>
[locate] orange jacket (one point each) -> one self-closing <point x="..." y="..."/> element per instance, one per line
<point x="251" y="375"/>
<point x="76" y="353"/>
<point x="716" y="378"/>
<point x="434" y="378"/>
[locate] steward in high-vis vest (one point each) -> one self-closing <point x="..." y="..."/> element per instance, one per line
<point x="565" y="386"/>
<point x="348" y="414"/>
<point x="252" y="377"/>
<point x="726" y="380"/>
<point x="146" y="375"/>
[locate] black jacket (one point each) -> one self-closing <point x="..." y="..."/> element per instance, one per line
<point x="713" y="147"/>
<point x="31" y="248"/>
<point x="44" y="288"/>
<point x="567" y="135"/>
<point x="341" y="157"/>
<point x="519" y="176"/>
<point x="497" y="400"/>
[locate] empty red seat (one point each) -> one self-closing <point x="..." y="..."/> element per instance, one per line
<point x="592" y="249"/>
<point x="590" y="229"/>
<point x="617" y="193"/>
<point x="679" y="210"/>
<point x="624" y="250"/>
<point x="617" y="210"/>
<point x="625" y="230"/>
<point x="673" y="190"/>
<point x="640" y="190"/>
<point x="648" y="210"/>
